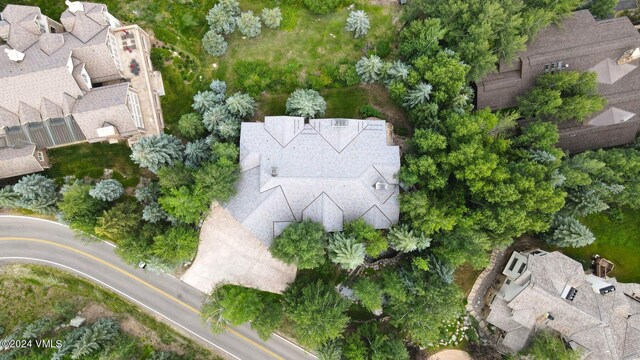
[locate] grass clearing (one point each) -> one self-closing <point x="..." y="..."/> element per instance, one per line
<point x="33" y="292"/>
<point x="90" y="160"/>
<point x="618" y="242"/>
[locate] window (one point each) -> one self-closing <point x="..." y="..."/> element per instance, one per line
<point x="522" y="267"/>
<point x="508" y="282"/>
<point x="339" y="123"/>
<point x="134" y="107"/>
<point x="513" y="264"/>
<point x="40" y="155"/>
<point x="555" y="66"/>
<point x="112" y="45"/>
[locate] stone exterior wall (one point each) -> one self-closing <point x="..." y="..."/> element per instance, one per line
<point x="475" y="300"/>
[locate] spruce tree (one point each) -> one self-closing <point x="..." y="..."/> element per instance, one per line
<point x="306" y="103"/>
<point x="358" y="23"/>
<point x="155" y="151"/>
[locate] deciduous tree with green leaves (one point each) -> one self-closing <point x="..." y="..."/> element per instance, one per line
<point x="301" y="244"/>
<point x="119" y="222"/>
<point x="562" y="96"/>
<point x="79" y="209"/>
<point x="177" y="245"/>
<point x="369" y="293"/>
<point x="373" y="240"/>
<point x="316" y="311"/>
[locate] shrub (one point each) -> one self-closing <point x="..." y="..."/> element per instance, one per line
<point x="271" y="17"/>
<point x="214" y="43"/>
<point x="369" y="111"/>
<point x="158" y="58"/>
<point x="107" y="190"/>
<point x="383" y="48"/>
<point x="322" y="6"/>
<point x="249" y="24"/>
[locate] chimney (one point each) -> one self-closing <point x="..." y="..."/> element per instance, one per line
<point x="14" y="55"/>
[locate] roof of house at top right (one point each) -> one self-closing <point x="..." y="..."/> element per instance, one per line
<point x="611" y="48"/>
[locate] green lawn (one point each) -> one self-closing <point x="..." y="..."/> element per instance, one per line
<point x="309" y="42"/>
<point x="301" y="49"/>
<point x="615" y="241"/>
<point x="90" y="160"/>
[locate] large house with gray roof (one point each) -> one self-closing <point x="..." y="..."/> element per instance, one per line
<point x="329" y="171"/>
<point x="611" y="48"/>
<point x="540" y="291"/>
<point x="87" y="78"/>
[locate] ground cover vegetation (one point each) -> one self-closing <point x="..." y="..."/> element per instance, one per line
<point x="474" y="181"/>
<point x="43" y="301"/>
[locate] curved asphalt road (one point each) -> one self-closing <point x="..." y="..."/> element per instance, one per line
<point x="36" y="241"/>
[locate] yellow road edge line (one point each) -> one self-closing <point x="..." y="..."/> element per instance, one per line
<point x="163" y="293"/>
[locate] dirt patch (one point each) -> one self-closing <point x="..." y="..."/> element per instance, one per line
<point x="379" y="98"/>
<point x="384" y="2"/>
<point x="129" y="325"/>
<point x="93" y="312"/>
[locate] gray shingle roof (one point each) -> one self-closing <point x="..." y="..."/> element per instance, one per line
<point x="21" y="33"/>
<point x="326" y="170"/>
<point x="18" y="161"/>
<point x="604" y="325"/>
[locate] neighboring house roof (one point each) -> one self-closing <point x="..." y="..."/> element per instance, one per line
<point x="604" y="326"/>
<point x="580" y="43"/>
<point x="16" y="161"/>
<point x="327" y="170"/>
<point x="57" y="79"/>
<point x="107" y="104"/>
